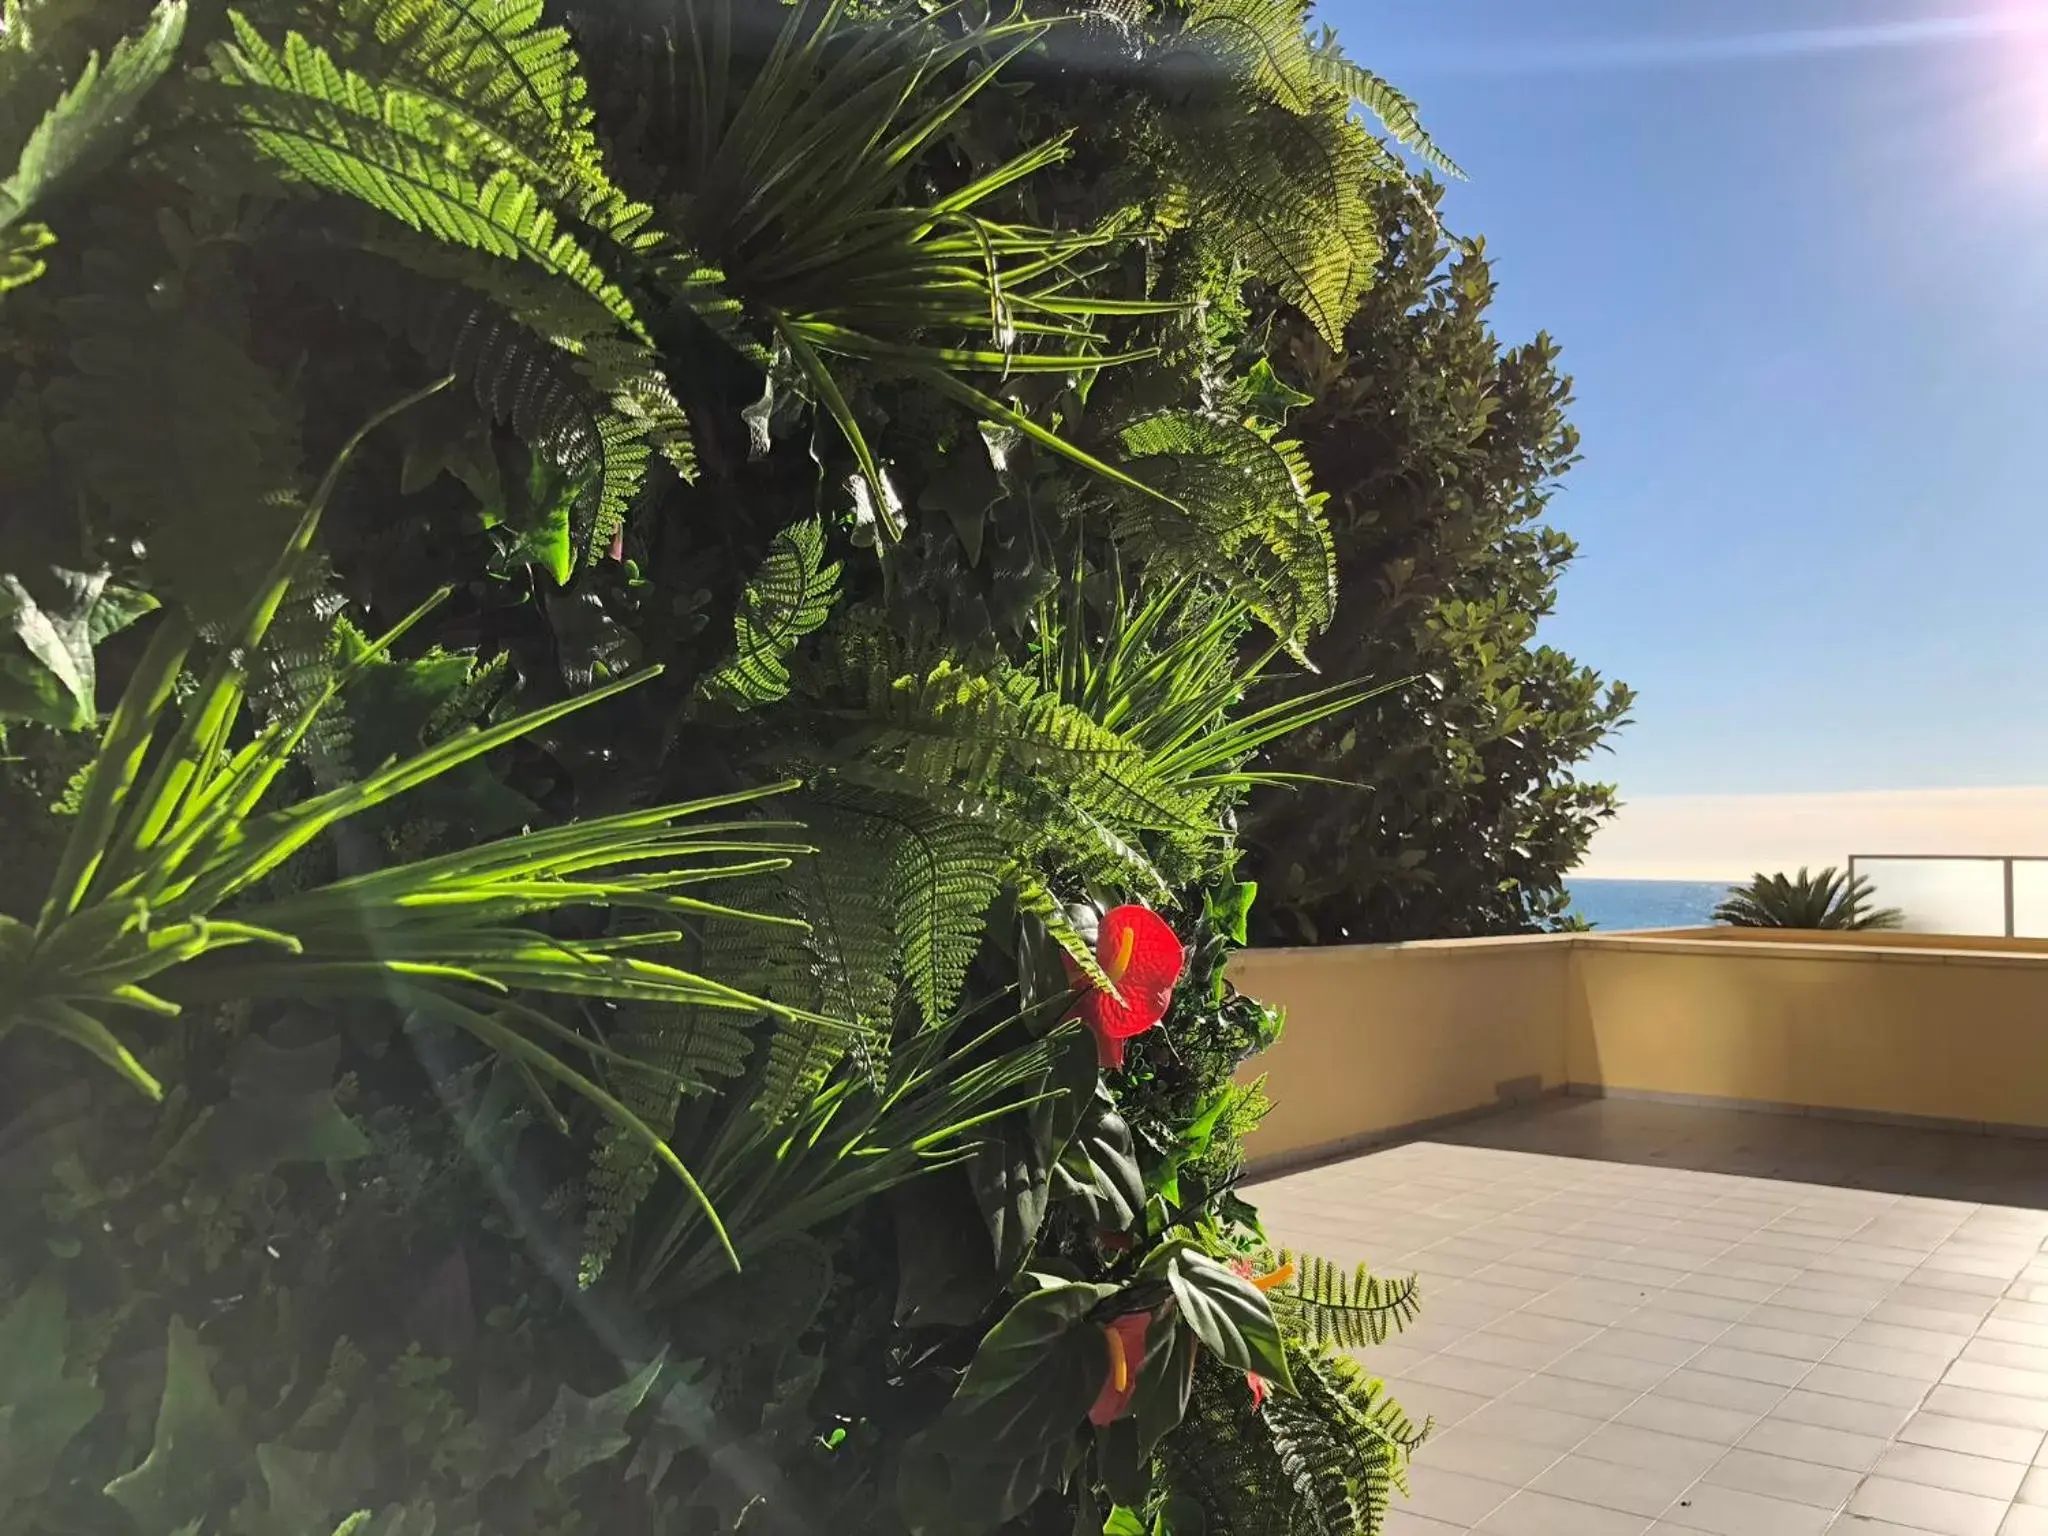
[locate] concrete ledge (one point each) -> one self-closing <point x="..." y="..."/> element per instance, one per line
<point x="1386" y="1042"/>
<point x="1933" y="951"/>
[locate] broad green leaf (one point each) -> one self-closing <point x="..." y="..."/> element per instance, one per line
<point x="195" y="1443"/>
<point x="1011" y="1174"/>
<point x="1099" y="1168"/>
<point x="1121" y="1461"/>
<point x="1033" y="1378"/>
<point x="1227" y="1313"/>
<point x="1018" y="1346"/>
<point x="578" y="1431"/>
<point x="1230" y="908"/>
<point x="42" y="1407"/>
<point x="1164" y="1382"/>
<point x="55" y="682"/>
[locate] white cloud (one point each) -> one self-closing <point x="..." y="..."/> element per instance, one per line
<point x="1730" y="837"/>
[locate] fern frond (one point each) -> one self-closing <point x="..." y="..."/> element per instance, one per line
<point x="1327" y="1307"/>
<point x="1323" y="1463"/>
<point x="511" y="85"/>
<point x="332" y="127"/>
<point x="1241" y="511"/>
<point x="790" y="595"/>
<point x="995" y="730"/>
<point x="1396" y="113"/>
<point x="944" y="874"/>
<point x="850" y="952"/>
<point x="538" y="356"/>
<point x="1036" y="899"/>
<point x="1343" y="1419"/>
<point x="1313" y="1459"/>
<point x="1285" y="193"/>
<point x="94" y="118"/>
<point x="297" y="664"/>
<point x="1262" y="41"/>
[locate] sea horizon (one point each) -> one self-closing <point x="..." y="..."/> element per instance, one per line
<point x="1621" y="905"/>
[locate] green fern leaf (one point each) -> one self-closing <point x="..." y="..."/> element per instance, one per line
<point x="1262" y="41"/>
<point x="1285" y="193"/>
<point x="1241" y="511"/>
<point x="332" y="127"/>
<point x="851" y="955"/>
<point x="538" y="356"/>
<point x="999" y="730"/>
<point x="1397" y="114"/>
<point x="1322" y="1463"/>
<point x="690" y="1050"/>
<point x="945" y="872"/>
<point x="93" y="119"/>
<point x="510" y="88"/>
<point x="790" y="596"/>
<point x="1329" y="1308"/>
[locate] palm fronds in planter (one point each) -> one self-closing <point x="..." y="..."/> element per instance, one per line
<point x="1829" y="899"/>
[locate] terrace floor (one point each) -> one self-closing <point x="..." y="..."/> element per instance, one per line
<point x="1641" y="1316"/>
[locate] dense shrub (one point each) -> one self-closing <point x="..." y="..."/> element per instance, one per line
<point x="1453" y="803"/>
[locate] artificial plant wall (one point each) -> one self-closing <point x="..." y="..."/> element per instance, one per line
<point x="632" y="636"/>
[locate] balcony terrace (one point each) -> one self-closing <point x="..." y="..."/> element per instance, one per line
<point x="1716" y="1235"/>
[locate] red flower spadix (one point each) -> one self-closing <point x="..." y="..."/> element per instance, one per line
<point x="1143" y="959"/>
<point x="1124" y="1338"/>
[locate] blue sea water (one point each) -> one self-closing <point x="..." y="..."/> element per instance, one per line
<point x="1618" y="904"/>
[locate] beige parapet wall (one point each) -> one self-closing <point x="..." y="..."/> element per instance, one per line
<point x="1384" y="1039"/>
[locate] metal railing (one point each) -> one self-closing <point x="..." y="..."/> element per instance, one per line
<point x="2006" y="893"/>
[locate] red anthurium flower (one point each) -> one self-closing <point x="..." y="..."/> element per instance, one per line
<point x="1124" y="1337"/>
<point x="1141" y="956"/>
<point x="1257" y="1383"/>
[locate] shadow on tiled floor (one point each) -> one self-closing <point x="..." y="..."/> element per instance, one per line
<point x="1942" y="1165"/>
<point x="1640" y="1315"/>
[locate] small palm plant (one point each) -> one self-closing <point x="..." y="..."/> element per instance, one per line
<point x="162" y="898"/>
<point x="1829" y="899"/>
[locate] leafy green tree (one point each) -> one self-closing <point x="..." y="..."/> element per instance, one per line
<point x="1459" y="799"/>
<point x="1830" y="899"/>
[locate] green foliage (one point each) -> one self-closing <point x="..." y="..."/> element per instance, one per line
<point x="329" y="126"/>
<point x="1325" y="1307"/>
<point x="1828" y="900"/>
<point x="145" y="892"/>
<point x="856" y="400"/>
<point x="1242" y="509"/>
<point x="1455" y="801"/>
<point x="92" y="120"/>
<point x="790" y="596"/>
<point x="1324" y="1462"/>
<point x="48" y="674"/>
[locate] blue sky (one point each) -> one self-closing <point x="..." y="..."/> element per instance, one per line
<point x="1796" y="252"/>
